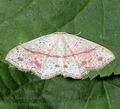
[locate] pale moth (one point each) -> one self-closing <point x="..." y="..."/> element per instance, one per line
<point x="60" y="53"/>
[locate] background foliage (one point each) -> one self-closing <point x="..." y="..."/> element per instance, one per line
<point x="23" y="20"/>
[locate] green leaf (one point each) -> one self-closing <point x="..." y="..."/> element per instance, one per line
<point x="98" y="20"/>
<point x="4" y="105"/>
<point x="23" y="91"/>
<point x="24" y="20"/>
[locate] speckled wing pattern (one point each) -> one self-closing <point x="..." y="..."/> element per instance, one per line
<point x="60" y="53"/>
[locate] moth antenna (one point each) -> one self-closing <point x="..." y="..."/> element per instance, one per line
<point x="78" y="33"/>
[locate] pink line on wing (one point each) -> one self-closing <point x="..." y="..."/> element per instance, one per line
<point x="41" y="53"/>
<point x="88" y="51"/>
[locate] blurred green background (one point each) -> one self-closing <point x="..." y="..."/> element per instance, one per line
<point x="24" y="20"/>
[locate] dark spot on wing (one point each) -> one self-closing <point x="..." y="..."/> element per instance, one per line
<point x="65" y="66"/>
<point x="57" y="65"/>
<point x="100" y="59"/>
<point x="20" y="59"/>
<point x="84" y="62"/>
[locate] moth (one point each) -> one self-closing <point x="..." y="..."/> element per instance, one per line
<point x="60" y="53"/>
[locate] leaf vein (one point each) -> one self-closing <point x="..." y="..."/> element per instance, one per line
<point x="107" y="96"/>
